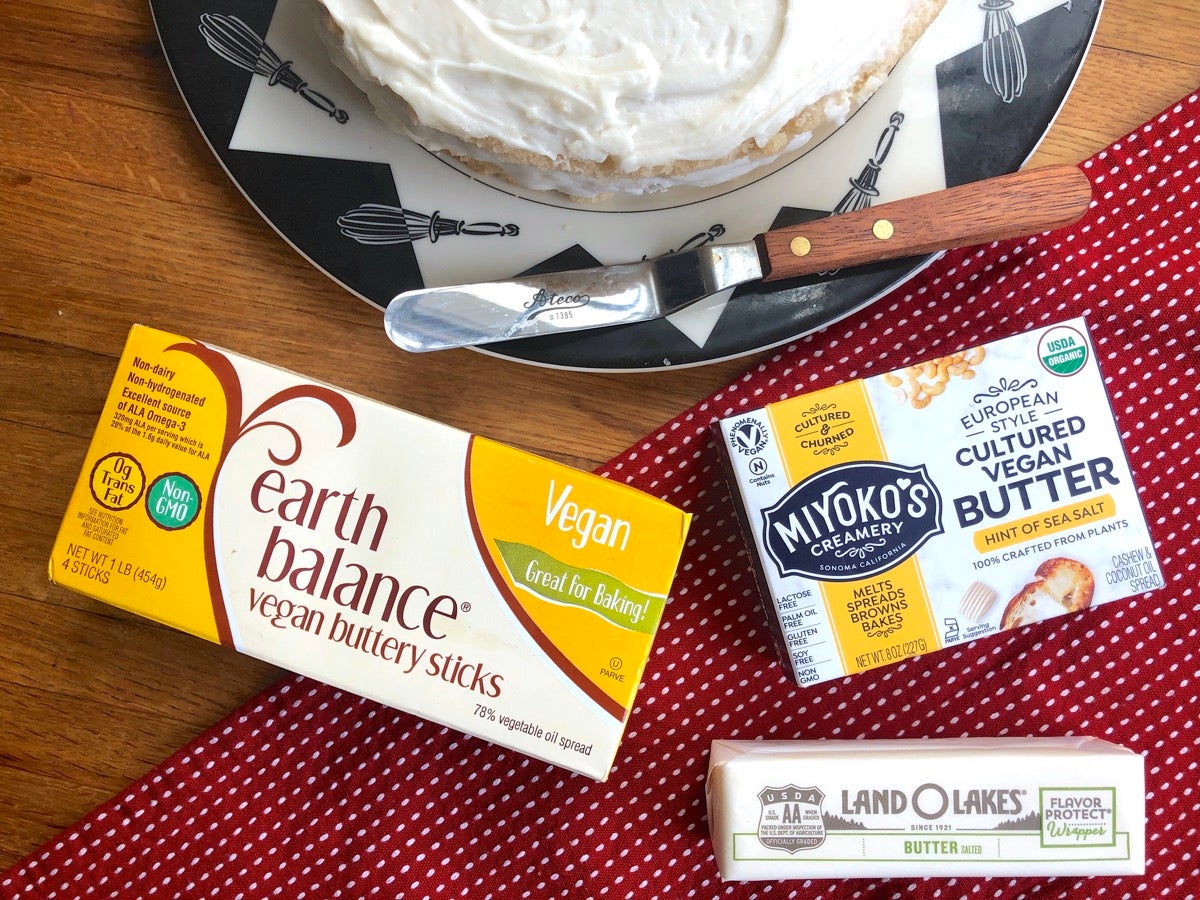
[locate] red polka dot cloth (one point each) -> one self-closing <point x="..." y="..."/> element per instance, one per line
<point x="309" y="792"/>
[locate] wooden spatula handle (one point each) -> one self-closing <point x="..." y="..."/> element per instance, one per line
<point x="1008" y="206"/>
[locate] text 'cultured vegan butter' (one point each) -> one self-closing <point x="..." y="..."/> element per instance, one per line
<point x="973" y="807"/>
<point x="438" y="572"/>
<point x="936" y="504"/>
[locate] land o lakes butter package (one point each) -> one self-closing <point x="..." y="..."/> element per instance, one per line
<point x="915" y="808"/>
<point x="435" y="571"/>
<point x="921" y="508"/>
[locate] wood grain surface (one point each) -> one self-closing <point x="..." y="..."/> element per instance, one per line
<point x="113" y="210"/>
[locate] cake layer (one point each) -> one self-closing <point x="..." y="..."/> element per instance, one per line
<point x="589" y="97"/>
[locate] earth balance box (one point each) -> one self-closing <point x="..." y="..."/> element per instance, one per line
<point x="438" y="572"/>
<point x="937" y="504"/>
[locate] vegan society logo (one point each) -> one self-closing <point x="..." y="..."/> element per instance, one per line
<point x="852" y="521"/>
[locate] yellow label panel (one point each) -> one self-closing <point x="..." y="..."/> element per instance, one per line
<point x="881" y="619"/>
<point x="561" y="545"/>
<point x="165" y="416"/>
<point x="815" y="429"/>
<point x="874" y="619"/>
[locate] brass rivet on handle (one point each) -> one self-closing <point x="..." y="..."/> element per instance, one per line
<point x="883" y="229"/>
<point x="801" y="246"/>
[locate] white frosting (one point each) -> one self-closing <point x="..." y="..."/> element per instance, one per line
<point x="643" y="83"/>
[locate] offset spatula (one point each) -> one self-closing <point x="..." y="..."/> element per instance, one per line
<point x="1008" y="206"/>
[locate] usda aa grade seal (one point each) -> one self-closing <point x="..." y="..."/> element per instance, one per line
<point x="1062" y="350"/>
<point x="791" y="818"/>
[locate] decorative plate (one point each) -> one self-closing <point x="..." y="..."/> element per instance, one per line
<point x="380" y="215"/>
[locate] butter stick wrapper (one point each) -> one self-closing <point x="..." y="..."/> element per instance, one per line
<point x="970" y="807"/>
<point x="933" y="505"/>
<point x="438" y="572"/>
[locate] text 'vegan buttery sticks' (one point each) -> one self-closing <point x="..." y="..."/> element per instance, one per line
<point x="940" y="503"/>
<point x="438" y="572"/>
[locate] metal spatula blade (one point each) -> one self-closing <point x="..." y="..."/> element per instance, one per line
<point x="1008" y="206"/>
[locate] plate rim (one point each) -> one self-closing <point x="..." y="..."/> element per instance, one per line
<point x="914" y="265"/>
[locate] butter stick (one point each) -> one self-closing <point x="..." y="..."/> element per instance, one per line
<point x="973" y="807"/>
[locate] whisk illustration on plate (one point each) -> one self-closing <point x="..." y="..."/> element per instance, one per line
<point x="379" y="223"/>
<point x="707" y="236"/>
<point x="863" y="188"/>
<point x="1005" y="67"/>
<point x="233" y="40"/>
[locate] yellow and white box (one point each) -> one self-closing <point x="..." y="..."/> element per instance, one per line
<point x="950" y="807"/>
<point x="936" y="504"/>
<point x="435" y="571"/>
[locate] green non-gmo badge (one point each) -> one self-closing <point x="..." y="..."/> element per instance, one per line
<point x="1063" y="350"/>
<point x="173" y="501"/>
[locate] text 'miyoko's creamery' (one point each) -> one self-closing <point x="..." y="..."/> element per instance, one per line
<point x="438" y="572"/>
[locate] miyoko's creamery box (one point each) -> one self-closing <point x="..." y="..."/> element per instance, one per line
<point x="435" y="571"/>
<point x="940" y="503"/>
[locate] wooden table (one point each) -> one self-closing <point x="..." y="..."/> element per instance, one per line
<point x="115" y="211"/>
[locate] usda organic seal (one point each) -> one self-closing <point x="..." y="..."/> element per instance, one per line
<point x="1062" y="350"/>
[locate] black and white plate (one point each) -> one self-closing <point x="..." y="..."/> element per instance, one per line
<point x="380" y="215"/>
